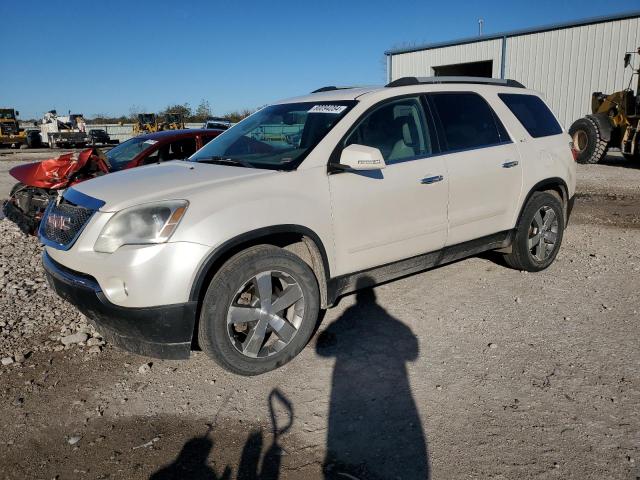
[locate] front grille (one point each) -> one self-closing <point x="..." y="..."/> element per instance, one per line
<point x="62" y="223"/>
<point x="8" y="129"/>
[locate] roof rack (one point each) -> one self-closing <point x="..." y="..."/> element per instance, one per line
<point x="404" y="81"/>
<point x="330" y="88"/>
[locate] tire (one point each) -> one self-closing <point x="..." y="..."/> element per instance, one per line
<point x="238" y="346"/>
<point x="587" y="141"/>
<point x="530" y="250"/>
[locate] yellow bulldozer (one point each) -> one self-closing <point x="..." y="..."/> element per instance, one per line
<point x="614" y="122"/>
<point x="10" y="131"/>
<point x="147" y="123"/>
<point x="172" y="121"/>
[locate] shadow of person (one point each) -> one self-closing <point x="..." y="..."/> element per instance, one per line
<point x="192" y="463"/>
<point x="374" y="430"/>
<point x="250" y="468"/>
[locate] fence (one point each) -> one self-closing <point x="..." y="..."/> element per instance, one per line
<point x="115" y="131"/>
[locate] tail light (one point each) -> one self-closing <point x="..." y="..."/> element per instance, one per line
<point x="574" y="152"/>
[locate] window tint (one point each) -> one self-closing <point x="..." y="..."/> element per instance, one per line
<point x="396" y="128"/>
<point x="532" y="113"/>
<point x="467" y="121"/>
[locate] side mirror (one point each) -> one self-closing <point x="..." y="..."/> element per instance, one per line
<point x="361" y="157"/>
<point x="17" y="113"/>
<point x="627" y="59"/>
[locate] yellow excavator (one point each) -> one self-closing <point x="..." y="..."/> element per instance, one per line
<point x="614" y="122"/>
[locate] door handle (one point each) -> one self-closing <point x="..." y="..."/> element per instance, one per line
<point x="433" y="179"/>
<point x="510" y="164"/>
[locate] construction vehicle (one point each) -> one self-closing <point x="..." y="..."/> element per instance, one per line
<point x="63" y="130"/>
<point x="614" y="123"/>
<point x="172" y="121"/>
<point x="10" y="131"/>
<point x="147" y="123"/>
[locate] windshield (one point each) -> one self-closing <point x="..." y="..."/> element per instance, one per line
<point x="7" y="114"/>
<point x="146" y="118"/>
<point x="276" y="137"/>
<point x="125" y="152"/>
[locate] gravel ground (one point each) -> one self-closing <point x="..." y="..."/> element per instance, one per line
<point x="471" y="370"/>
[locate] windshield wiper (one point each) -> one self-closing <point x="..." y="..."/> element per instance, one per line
<point x="218" y="160"/>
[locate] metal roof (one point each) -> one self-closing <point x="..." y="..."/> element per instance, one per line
<point x="516" y="33"/>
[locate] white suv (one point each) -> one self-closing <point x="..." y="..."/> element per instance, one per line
<point x="242" y="244"/>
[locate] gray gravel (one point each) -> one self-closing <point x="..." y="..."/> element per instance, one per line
<point x="32" y="317"/>
<point x="496" y="373"/>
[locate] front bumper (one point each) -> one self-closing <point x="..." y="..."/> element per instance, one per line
<point x="161" y="331"/>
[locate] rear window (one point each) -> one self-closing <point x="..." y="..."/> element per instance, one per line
<point x="467" y="121"/>
<point x="532" y="113"/>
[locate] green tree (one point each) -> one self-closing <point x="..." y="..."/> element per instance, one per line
<point x="203" y="111"/>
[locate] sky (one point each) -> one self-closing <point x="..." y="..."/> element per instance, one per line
<point x="112" y="56"/>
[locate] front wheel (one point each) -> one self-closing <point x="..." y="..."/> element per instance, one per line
<point x="587" y="141"/>
<point x="259" y="311"/>
<point x="538" y="234"/>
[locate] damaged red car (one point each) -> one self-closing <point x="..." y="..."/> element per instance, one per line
<point x="40" y="182"/>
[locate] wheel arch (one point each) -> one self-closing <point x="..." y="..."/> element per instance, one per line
<point x="554" y="184"/>
<point x="298" y="239"/>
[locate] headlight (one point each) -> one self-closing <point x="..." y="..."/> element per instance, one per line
<point x="142" y="224"/>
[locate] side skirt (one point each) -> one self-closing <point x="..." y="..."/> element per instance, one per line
<point x="351" y="282"/>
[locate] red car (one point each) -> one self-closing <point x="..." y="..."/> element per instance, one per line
<point x="39" y="182"/>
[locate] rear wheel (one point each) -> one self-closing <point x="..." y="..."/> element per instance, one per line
<point x="587" y="140"/>
<point x="538" y="234"/>
<point x="259" y="311"/>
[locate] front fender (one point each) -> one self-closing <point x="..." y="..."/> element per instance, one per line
<point x="604" y="125"/>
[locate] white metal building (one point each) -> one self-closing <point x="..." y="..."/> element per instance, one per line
<point x="566" y="62"/>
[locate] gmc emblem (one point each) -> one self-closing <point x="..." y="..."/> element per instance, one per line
<point x="59" y="222"/>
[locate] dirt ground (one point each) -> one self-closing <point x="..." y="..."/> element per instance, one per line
<point x="471" y="370"/>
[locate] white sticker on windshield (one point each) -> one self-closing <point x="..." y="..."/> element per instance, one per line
<point x="151" y="142"/>
<point x="328" y="109"/>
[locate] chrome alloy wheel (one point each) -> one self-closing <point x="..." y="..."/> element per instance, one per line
<point x="543" y="234"/>
<point x="265" y="314"/>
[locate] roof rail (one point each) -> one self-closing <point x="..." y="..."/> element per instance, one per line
<point x="330" y="88"/>
<point x="404" y="81"/>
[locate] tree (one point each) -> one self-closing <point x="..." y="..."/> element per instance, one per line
<point x="184" y="110"/>
<point x="203" y="111"/>
<point x="236" y="116"/>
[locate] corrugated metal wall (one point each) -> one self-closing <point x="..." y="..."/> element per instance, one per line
<point x="421" y="63"/>
<point x="566" y="65"/>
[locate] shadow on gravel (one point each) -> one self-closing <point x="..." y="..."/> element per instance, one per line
<point x="193" y="461"/>
<point x="374" y="430"/>
<point x="619" y="161"/>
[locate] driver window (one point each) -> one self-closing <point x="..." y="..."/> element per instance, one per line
<point x="397" y="129"/>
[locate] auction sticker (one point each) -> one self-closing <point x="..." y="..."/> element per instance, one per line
<point x="328" y="109"/>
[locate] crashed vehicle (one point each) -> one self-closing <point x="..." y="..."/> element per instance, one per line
<point x="40" y="182"/>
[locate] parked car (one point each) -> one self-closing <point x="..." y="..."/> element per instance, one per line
<point x="40" y="182"/>
<point x="217" y="123"/>
<point x="98" y="136"/>
<point x="244" y="243"/>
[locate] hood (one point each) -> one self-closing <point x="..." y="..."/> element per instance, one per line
<point x="165" y="181"/>
<point x="52" y="173"/>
